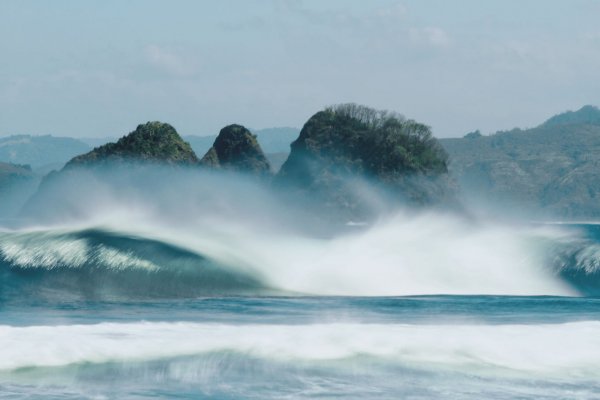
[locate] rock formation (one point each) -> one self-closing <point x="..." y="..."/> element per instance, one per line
<point x="348" y="141"/>
<point x="153" y="142"/>
<point x="236" y="148"/>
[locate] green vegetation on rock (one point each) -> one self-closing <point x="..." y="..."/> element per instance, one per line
<point x="154" y="142"/>
<point x="236" y="148"/>
<point x="350" y="140"/>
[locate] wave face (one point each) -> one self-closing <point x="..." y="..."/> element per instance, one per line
<point x="135" y="235"/>
<point x="99" y="264"/>
<point x="403" y="256"/>
<point x="217" y="288"/>
<point x="577" y="259"/>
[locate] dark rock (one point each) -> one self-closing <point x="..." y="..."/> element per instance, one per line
<point x="347" y="142"/>
<point x="153" y="142"/>
<point x="236" y="148"/>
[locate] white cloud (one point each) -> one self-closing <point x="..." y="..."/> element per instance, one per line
<point x="168" y="61"/>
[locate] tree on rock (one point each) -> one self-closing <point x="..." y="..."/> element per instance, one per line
<point x="348" y="141"/>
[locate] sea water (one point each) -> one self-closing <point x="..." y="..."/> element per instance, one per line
<point x="97" y="313"/>
<point x="430" y="347"/>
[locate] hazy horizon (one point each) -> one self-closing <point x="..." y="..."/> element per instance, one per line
<point x="97" y="69"/>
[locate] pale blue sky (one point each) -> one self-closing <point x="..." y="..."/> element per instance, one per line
<point x="98" y="68"/>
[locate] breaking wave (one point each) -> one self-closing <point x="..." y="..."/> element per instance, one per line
<point x="165" y="233"/>
<point x="429" y="254"/>
<point x="96" y="264"/>
<point x="467" y="348"/>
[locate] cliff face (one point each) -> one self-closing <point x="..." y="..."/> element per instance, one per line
<point x="236" y="148"/>
<point x="154" y="142"/>
<point x="349" y="141"/>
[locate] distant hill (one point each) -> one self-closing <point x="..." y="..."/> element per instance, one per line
<point x="98" y="141"/>
<point x="276" y="140"/>
<point x="10" y="173"/>
<point x="277" y="159"/>
<point x="586" y="115"/>
<point x="17" y="183"/>
<point x="553" y="168"/>
<point x="39" y="151"/>
<point x="200" y="144"/>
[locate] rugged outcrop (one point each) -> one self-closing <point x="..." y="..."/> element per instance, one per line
<point x="236" y="148"/>
<point x="152" y="142"/>
<point x="344" y="144"/>
<point x="114" y="165"/>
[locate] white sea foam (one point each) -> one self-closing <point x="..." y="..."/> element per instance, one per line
<point x="570" y="350"/>
<point x="57" y="249"/>
<point x="424" y="254"/>
<point x="247" y="227"/>
<point x="406" y="255"/>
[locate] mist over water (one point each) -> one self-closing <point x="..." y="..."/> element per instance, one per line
<point x="162" y="221"/>
<point x="144" y="282"/>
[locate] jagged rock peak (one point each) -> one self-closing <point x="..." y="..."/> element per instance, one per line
<point x="236" y="148"/>
<point x="156" y="142"/>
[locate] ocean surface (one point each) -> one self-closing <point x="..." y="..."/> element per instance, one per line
<point x="103" y="312"/>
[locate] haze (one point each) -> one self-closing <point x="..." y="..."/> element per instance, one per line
<point x="99" y="68"/>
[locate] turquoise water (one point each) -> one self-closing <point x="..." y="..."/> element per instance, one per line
<point x="430" y="347"/>
<point x="99" y="314"/>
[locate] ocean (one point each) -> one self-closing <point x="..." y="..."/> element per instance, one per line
<point x="94" y="311"/>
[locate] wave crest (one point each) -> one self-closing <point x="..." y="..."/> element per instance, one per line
<point x="94" y="263"/>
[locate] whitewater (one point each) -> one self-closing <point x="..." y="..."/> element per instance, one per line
<point x="212" y="286"/>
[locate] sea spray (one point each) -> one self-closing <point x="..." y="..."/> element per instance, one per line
<point x="231" y="235"/>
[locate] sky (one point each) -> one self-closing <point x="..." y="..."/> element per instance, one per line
<point x="98" y="68"/>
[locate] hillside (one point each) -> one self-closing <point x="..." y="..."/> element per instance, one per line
<point x="39" y="151"/>
<point x="10" y="173"/>
<point x="17" y="183"/>
<point x="552" y="168"/>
